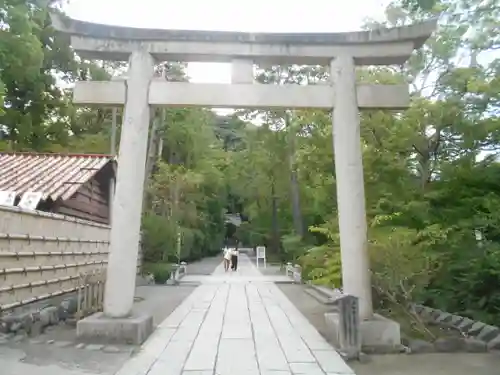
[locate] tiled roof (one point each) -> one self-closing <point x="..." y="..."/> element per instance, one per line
<point x="54" y="175"/>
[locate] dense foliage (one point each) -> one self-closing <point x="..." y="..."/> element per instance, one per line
<point x="431" y="173"/>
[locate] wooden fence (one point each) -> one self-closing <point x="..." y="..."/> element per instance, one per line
<point x="43" y="255"/>
<point x="90" y="295"/>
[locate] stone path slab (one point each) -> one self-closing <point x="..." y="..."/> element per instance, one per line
<point x="236" y="323"/>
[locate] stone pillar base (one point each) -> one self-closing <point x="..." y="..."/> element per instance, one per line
<point x="379" y="335"/>
<point x="132" y="330"/>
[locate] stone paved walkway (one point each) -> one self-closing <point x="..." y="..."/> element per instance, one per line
<point x="236" y="324"/>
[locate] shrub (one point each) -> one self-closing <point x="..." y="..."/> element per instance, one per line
<point x="402" y="268"/>
<point x="160" y="271"/>
<point x="322" y="266"/>
<point x="293" y="246"/>
<point x="158" y="243"/>
<point x="401" y="263"/>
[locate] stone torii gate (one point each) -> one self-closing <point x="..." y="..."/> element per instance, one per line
<point x="342" y="52"/>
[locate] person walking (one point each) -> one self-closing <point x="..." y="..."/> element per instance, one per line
<point x="227" y="258"/>
<point x="234" y="257"/>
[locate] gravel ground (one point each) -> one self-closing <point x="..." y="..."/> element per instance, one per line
<point x="205" y="266"/>
<point x="59" y="352"/>
<point x="401" y="364"/>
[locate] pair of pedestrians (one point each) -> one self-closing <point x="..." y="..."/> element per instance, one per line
<point x="231" y="258"/>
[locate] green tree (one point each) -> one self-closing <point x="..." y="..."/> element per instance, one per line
<point x="36" y="110"/>
<point x="430" y="172"/>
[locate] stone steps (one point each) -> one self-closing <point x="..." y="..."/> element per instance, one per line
<point x="321" y="294"/>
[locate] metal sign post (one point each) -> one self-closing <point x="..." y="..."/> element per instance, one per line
<point x="261" y="254"/>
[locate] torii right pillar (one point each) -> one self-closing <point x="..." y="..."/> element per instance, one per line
<point x="376" y="332"/>
<point x="350" y="185"/>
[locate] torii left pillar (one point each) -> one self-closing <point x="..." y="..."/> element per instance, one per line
<point x="118" y="322"/>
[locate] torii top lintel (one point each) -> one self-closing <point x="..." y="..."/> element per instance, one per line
<point x="375" y="47"/>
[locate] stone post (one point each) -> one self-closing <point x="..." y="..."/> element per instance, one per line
<point x="127" y="203"/>
<point x="350" y="185"/>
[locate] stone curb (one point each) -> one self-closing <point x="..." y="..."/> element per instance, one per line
<point x="479" y="330"/>
<point x="35" y="321"/>
<point x="445" y="345"/>
<point x="6" y="339"/>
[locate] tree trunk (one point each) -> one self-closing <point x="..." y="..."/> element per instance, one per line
<point x="152" y="148"/>
<point x="275" y="241"/>
<point x="298" y="221"/>
<point x="176" y="220"/>
<point x="150" y="160"/>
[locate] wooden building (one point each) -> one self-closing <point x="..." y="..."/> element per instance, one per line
<point x="77" y="185"/>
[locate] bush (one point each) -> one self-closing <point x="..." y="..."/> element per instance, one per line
<point x="468" y="286"/>
<point x="160" y="271"/>
<point x="402" y="265"/>
<point x="160" y="241"/>
<point x="402" y="268"/>
<point x="293" y="246"/>
<point x="157" y="239"/>
<point x="322" y="266"/>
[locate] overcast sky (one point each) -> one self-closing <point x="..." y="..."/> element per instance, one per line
<point x="230" y="15"/>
